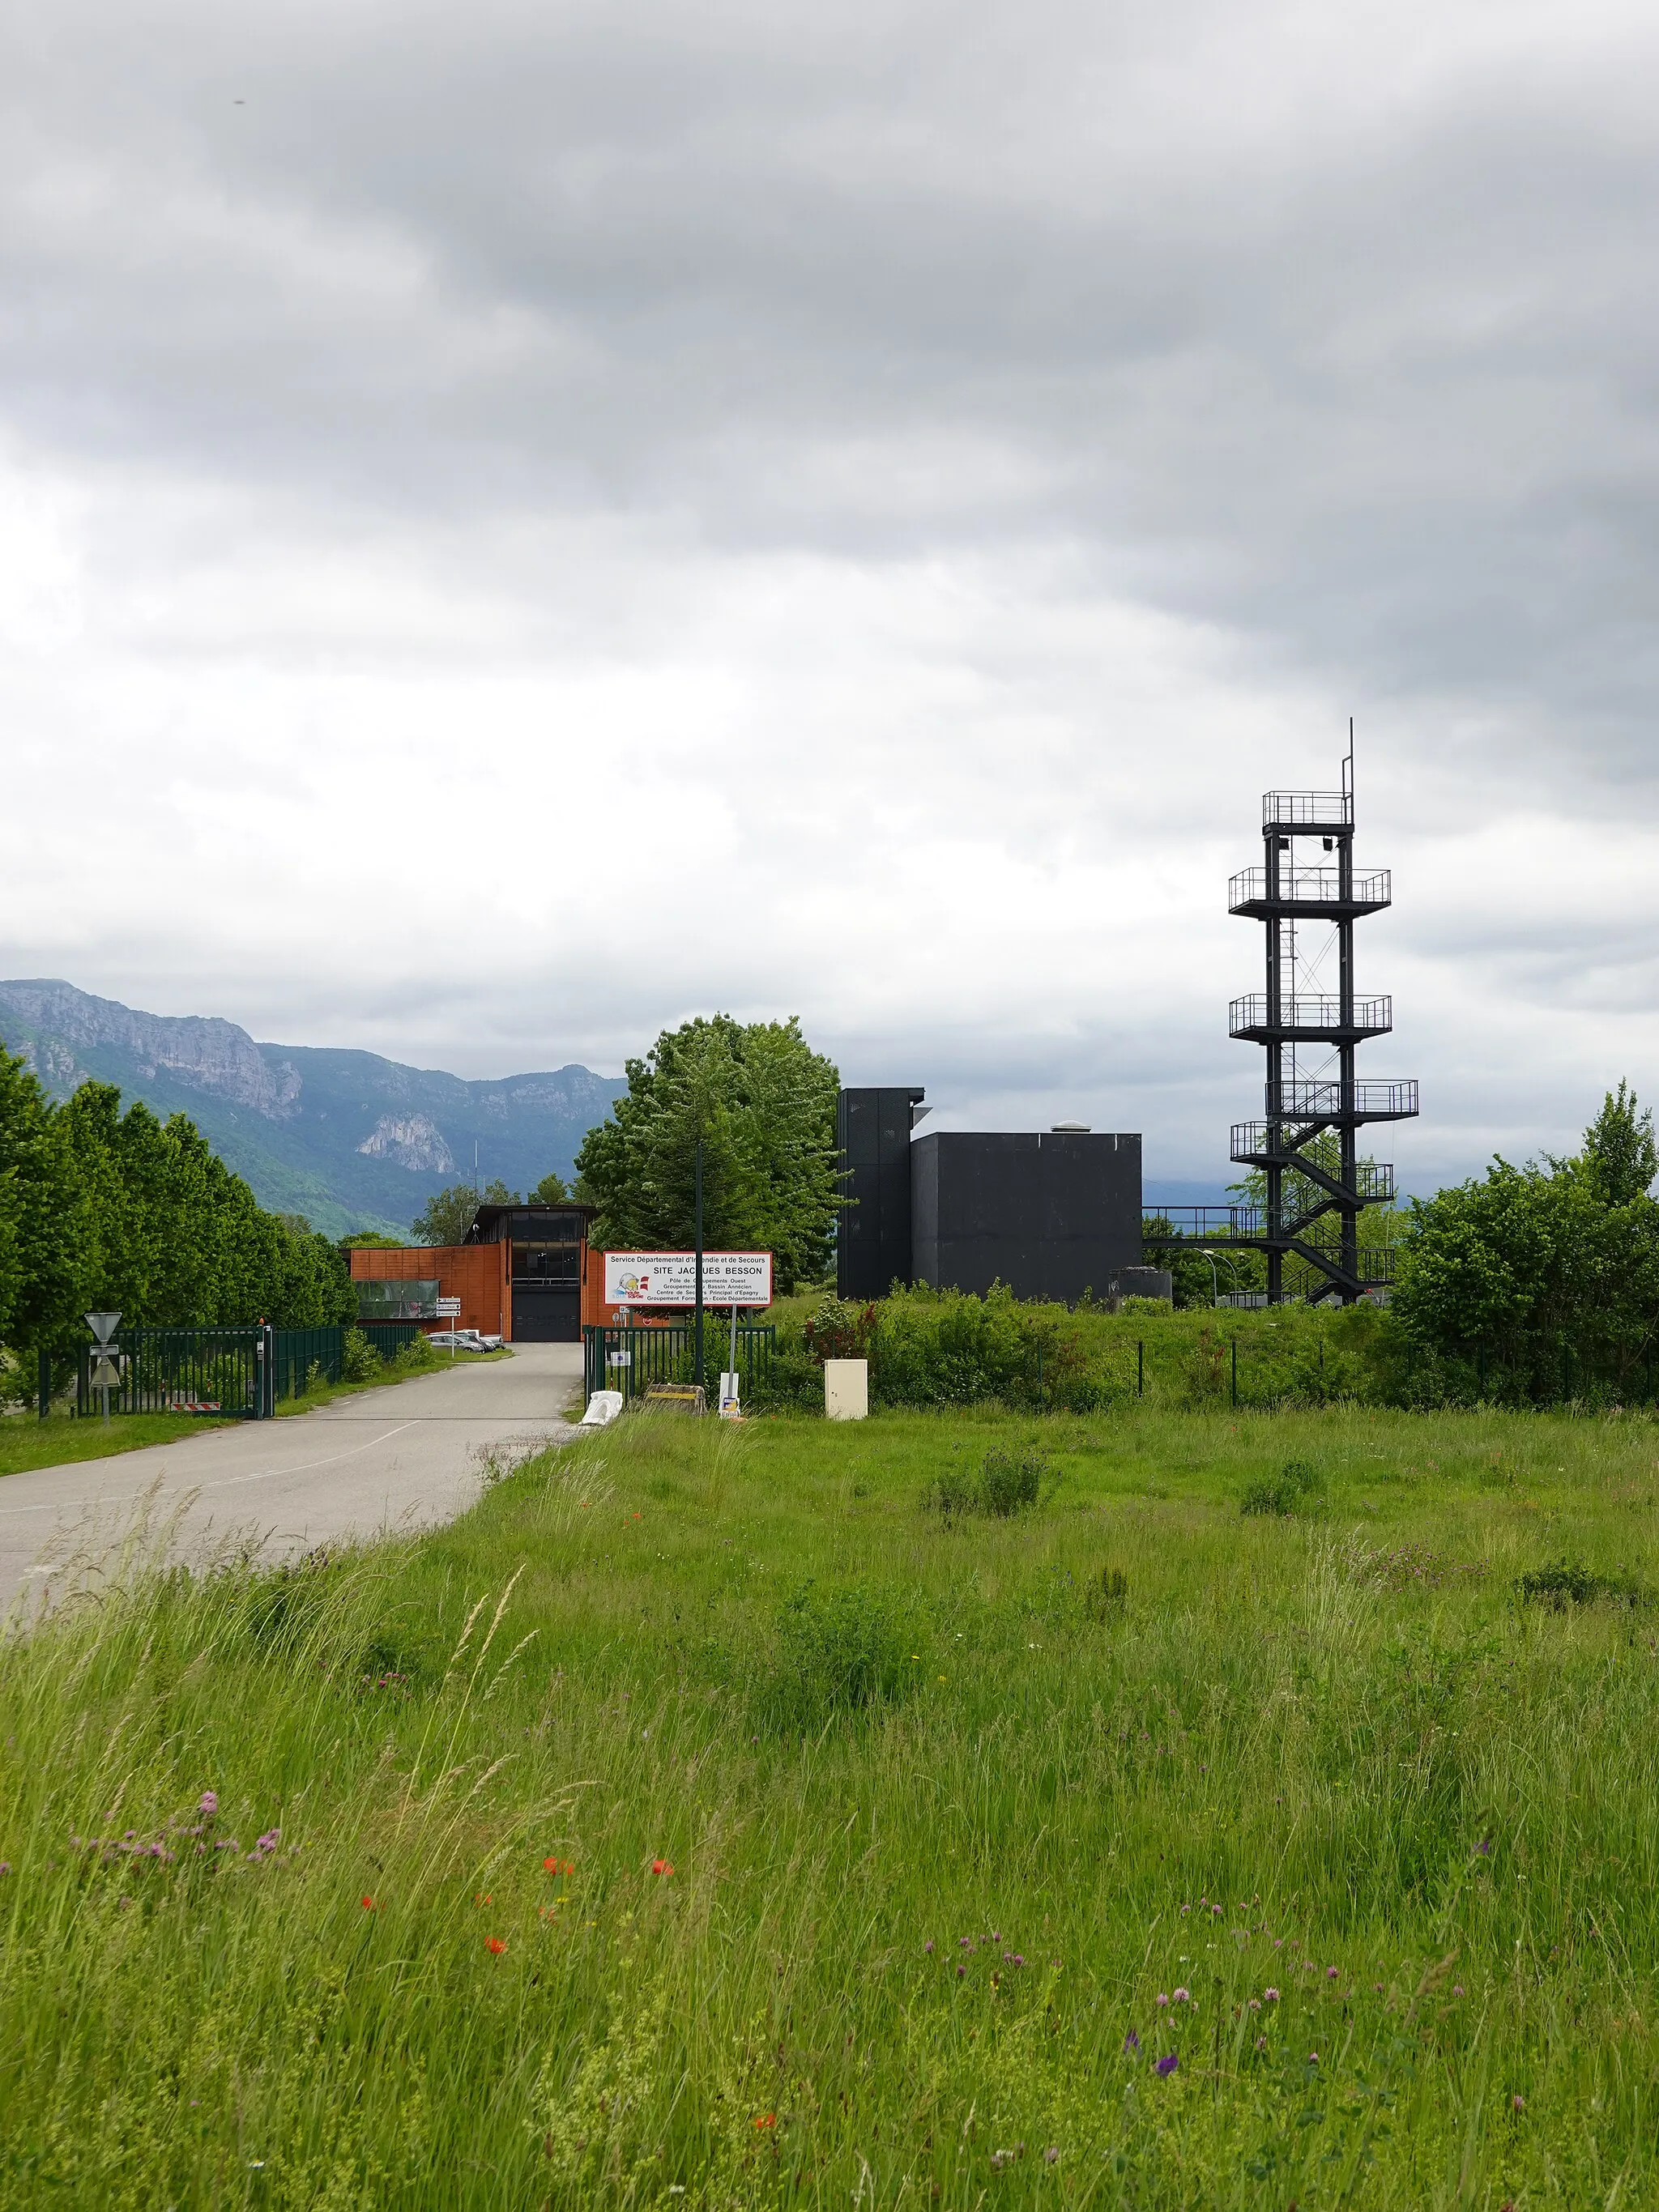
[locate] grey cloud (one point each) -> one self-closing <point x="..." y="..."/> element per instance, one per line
<point x="1331" y="337"/>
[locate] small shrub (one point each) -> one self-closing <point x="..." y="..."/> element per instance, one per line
<point x="1006" y="1483"/>
<point x="1106" y="1593"/>
<point x="843" y="1649"/>
<point x="360" y="1361"/>
<point x="1562" y="1583"/>
<point x="418" y="1357"/>
<point x="839" y="1329"/>
<point x="1011" y="1481"/>
<point x="1297" y="1485"/>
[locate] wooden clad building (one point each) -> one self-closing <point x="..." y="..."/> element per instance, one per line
<point x="523" y="1273"/>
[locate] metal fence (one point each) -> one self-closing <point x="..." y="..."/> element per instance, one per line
<point x="631" y="1359"/>
<point x="238" y="1373"/>
<point x="185" y="1370"/>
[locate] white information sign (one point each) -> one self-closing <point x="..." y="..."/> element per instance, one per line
<point x="449" y="1307"/>
<point x="670" y="1279"/>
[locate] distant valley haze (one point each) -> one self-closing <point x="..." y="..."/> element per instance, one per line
<point x="519" y="527"/>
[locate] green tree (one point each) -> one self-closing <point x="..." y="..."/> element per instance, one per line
<point x="446" y="1216"/>
<point x="1550" y="1273"/>
<point x="446" y="1219"/>
<point x="46" y="1223"/>
<point x="551" y="1190"/>
<point x="1620" y="1157"/>
<point x="763" y="1104"/>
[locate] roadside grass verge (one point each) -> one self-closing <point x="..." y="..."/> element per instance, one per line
<point x="28" y="1441"/>
<point x="703" y="1820"/>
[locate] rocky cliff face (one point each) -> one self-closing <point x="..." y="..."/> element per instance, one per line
<point x="413" y="1140"/>
<point x="62" y="1025"/>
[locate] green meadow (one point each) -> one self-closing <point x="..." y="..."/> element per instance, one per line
<point x="728" y="1817"/>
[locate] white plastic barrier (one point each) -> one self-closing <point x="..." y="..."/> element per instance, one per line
<point x="603" y="1405"/>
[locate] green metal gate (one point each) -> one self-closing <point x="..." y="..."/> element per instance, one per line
<point x="631" y="1359"/>
<point x="226" y="1371"/>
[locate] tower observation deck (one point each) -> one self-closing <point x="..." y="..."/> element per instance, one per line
<point x="1306" y="1146"/>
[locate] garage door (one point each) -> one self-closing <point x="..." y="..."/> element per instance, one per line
<point x="546" y="1315"/>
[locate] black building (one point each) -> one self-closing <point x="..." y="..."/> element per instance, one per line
<point x="545" y="1269"/>
<point x="872" y="1242"/>
<point x="1050" y="1214"/>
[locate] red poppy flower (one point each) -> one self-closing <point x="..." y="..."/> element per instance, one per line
<point x="767" y="2120"/>
<point x="369" y="1904"/>
<point x="495" y="1945"/>
<point x="551" y="1866"/>
<point x="661" y="1866"/>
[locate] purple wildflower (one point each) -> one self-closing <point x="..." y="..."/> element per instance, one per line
<point x="5" y="1865"/>
<point x="272" y="1837"/>
<point x="1164" y="1996"/>
<point x="1485" y="1847"/>
<point x="1053" y="2151"/>
<point x="1271" y="1995"/>
<point x="1330" y="1973"/>
<point x="210" y="1803"/>
<point x="1167" y="2065"/>
<point x="1517" y="2103"/>
<point x="1457" y="1990"/>
<point x="1182" y="1996"/>
<point x="1019" y="1958"/>
<point x="926" y="1947"/>
<point x="961" y="1971"/>
<point x="1130" y="2044"/>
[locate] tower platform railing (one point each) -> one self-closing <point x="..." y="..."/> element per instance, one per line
<point x="1308" y="813"/>
<point x="1310" y="1019"/>
<point x="1317" y="1100"/>
<point x="1310" y="891"/>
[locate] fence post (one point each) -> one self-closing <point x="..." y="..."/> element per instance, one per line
<point x="43" y="1382"/>
<point x="1566" y="1372"/>
<point x="1483" y="1372"/>
<point x="1140" y="1367"/>
<point x="1235" y="1370"/>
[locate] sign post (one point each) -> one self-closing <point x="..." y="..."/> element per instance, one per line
<point x="449" y="1310"/>
<point x="697" y="1372"/>
<point x="106" y="1363"/>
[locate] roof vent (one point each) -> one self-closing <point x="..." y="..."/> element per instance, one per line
<point x="1070" y="1129"/>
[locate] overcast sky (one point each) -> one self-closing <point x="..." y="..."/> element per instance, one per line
<point x="520" y="523"/>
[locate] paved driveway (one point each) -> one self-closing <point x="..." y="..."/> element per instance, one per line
<point x="398" y="1457"/>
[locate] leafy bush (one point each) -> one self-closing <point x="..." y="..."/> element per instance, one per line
<point x="1298" y="1484"/>
<point x="1006" y="1483"/>
<point x="1562" y="1583"/>
<point x="360" y="1360"/>
<point x="843" y="1649"/>
<point x="839" y="1329"/>
<point x="418" y="1357"/>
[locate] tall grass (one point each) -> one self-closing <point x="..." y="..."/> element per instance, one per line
<point x="953" y="1805"/>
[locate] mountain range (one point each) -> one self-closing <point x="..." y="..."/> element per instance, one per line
<point x="349" y="1140"/>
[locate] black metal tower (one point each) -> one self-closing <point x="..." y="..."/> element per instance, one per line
<point x="1316" y="1191"/>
